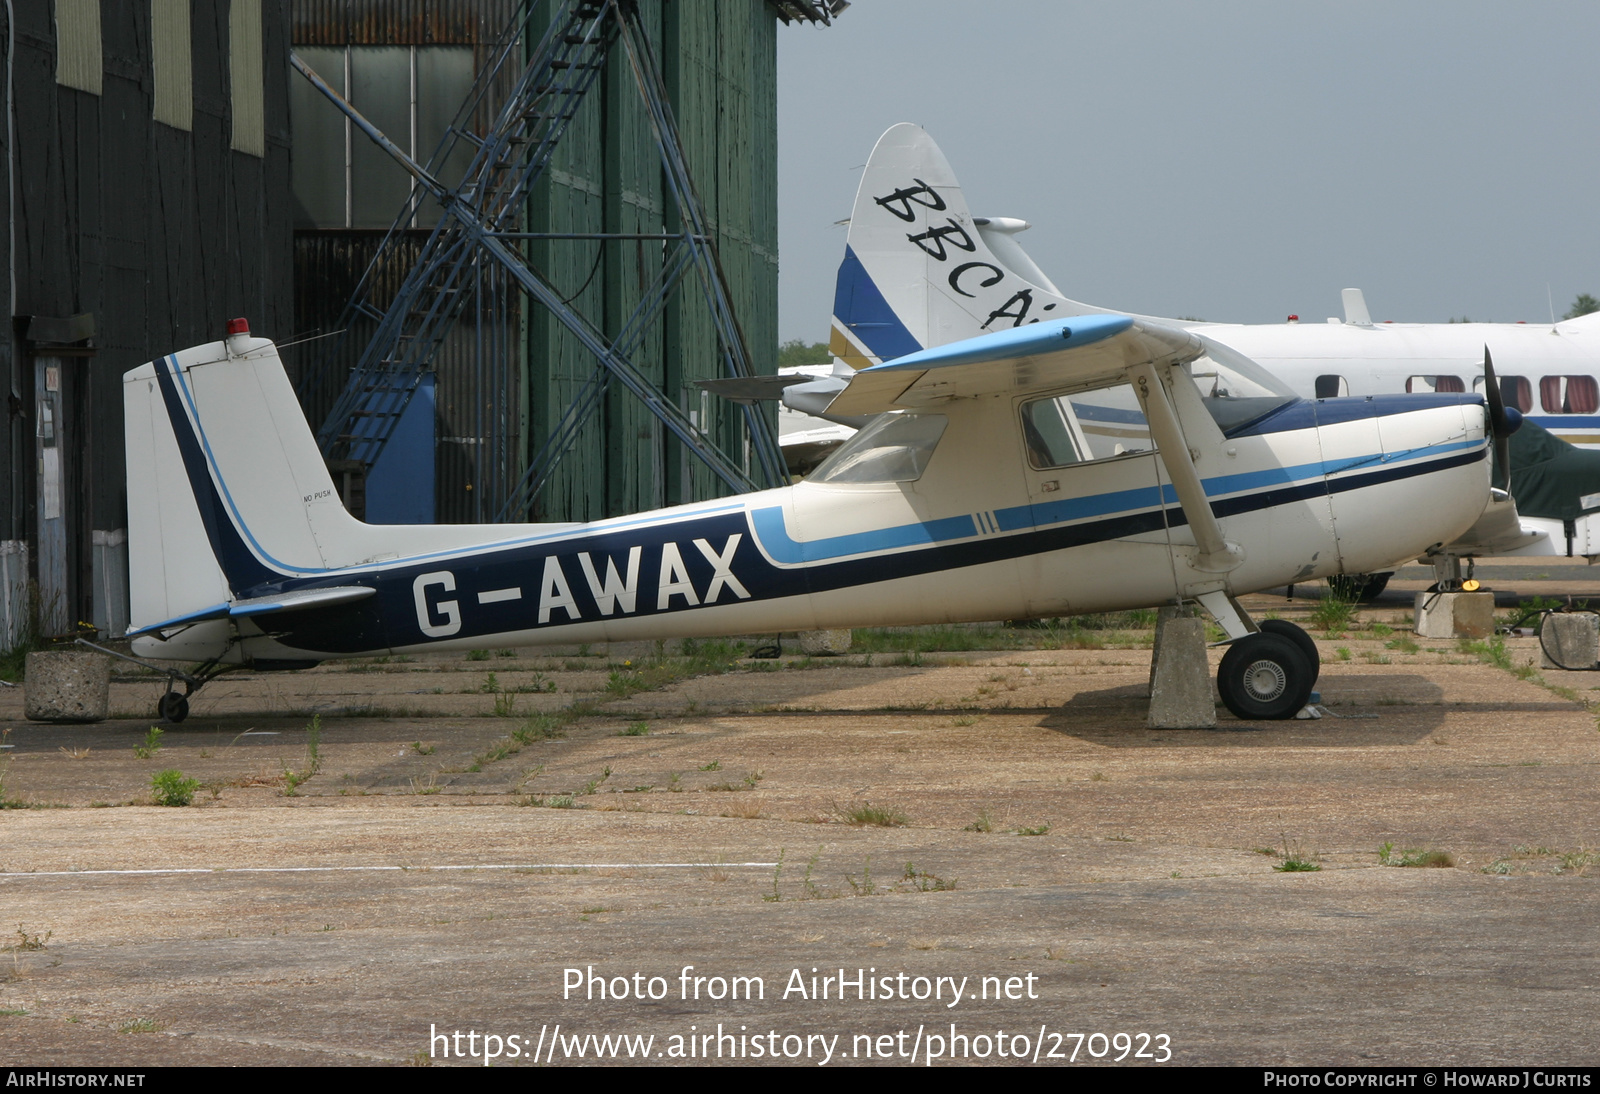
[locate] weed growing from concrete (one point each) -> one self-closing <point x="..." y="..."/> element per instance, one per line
<point x="714" y="765"/>
<point x="982" y="824"/>
<point x="924" y="882"/>
<point x="27" y="943"/>
<point x="635" y="729"/>
<point x="775" y="896"/>
<point x="867" y="814"/>
<point x="421" y="749"/>
<point x="141" y="1025"/>
<point x="1333" y="614"/>
<point x="477" y="655"/>
<point x="171" y="788"/>
<point x="1039" y="830"/>
<point x="1293" y="860"/>
<point x="314" y="746"/>
<point x="152" y="744"/>
<point x="1413" y="856"/>
<point x="864" y="887"/>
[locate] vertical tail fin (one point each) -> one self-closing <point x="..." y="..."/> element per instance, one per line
<point x="919" y="270"/>
<point x="227" y="493"/>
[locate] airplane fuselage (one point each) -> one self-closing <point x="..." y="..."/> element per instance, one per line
<point x="1313" y="488"/>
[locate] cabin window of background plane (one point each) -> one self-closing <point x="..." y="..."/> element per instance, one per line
<point x="1514" y="390"/>
<point x="1421" y="385"/>
<point x="1569" y="394"/>
<point x="1332" y="387"/>
<point x="894" y="447"/>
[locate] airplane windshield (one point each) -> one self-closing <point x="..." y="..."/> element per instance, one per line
<point x="1234" y="388"/>
<point x="892" y="447"/>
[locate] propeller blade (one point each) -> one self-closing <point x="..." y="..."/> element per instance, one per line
<point x="1491" y="392"/>
<point x="1499" y="427"/>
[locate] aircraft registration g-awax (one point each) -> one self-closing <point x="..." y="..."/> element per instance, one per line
<point x="1061" y="467"/>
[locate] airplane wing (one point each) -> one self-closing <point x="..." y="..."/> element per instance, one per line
<point x="1059" y="353"/>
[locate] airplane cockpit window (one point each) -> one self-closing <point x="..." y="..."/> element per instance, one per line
<point x="1332" y="387"/>
<point x="1235" y="389"/>
<point x="892" y="447"/>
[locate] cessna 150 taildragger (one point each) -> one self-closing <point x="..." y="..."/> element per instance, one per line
<point x="920" y="270"/>
<point x="1082" y="465"/>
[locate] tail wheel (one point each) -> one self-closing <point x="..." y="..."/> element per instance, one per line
<point x="1302" y="641"/>
<point x="1264" y="676"/>
<point x="173" y="707"/>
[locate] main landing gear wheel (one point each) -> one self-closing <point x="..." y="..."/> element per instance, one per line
<point x="1264" y="676"/>
<point x="173" y="707"/>
<point x="1301" y="639"/>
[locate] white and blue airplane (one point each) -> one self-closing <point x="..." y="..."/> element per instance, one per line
<point x="1084" y="465"/>
<point x="920" y="270"/>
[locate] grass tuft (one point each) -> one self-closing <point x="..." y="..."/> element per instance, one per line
<point x="867" y="814"/>
<point x="1412" y="856"/>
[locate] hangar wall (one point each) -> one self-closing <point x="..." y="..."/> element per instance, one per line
<point x="152" y="232"/>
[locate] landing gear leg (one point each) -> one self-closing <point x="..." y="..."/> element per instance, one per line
<point x="172" y="707"/>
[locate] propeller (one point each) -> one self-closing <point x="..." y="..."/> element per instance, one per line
<point x="1502" y="422"/>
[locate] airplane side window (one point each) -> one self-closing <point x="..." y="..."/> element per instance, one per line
<point x="892" y="447"/>
<point x="1332" y="387"/>
<point x="1569" y="394"/>
<point x="1112" y="421"/>
<point x="1514" y="391"/>
<point x="1048" y="436"/>
<point x="1416" y="385"/>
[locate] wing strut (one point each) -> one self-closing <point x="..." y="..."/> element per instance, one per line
<point x="1215" y="554"/>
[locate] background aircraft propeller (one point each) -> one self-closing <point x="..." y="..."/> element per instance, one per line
<point x="1501" y="423"/>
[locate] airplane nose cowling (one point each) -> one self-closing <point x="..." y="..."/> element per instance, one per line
<point x="1405" y="473"/>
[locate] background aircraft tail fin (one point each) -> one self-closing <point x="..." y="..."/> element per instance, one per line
<point x="920" y="271"/>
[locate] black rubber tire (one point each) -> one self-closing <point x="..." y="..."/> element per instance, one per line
<point x="1264" y="677"/>
<point x="1301" y="639"/>
<point x="173" y="707"/>
<point x="1358" y="587"/>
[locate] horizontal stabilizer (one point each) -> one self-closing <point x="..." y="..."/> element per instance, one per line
<point x="1084" y="349"/>
<point x="750" y="389"/>
<point x="299" y="600"/>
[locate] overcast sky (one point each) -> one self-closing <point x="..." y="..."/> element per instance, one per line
<point x="1231" y="161"/>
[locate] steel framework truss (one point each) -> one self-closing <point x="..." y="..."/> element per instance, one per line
<point x="473" y="266"/>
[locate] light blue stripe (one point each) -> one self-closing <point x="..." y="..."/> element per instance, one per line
<point x="774" y="536"/>
<point x="216" y="611"/>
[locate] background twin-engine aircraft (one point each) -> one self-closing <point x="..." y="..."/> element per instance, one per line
<point x="1054" y="464"/>
<point x="944" y="274"/>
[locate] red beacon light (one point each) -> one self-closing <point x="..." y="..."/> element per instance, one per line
<point x="238" y="326"/>
<point x="1294" y="319"/>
